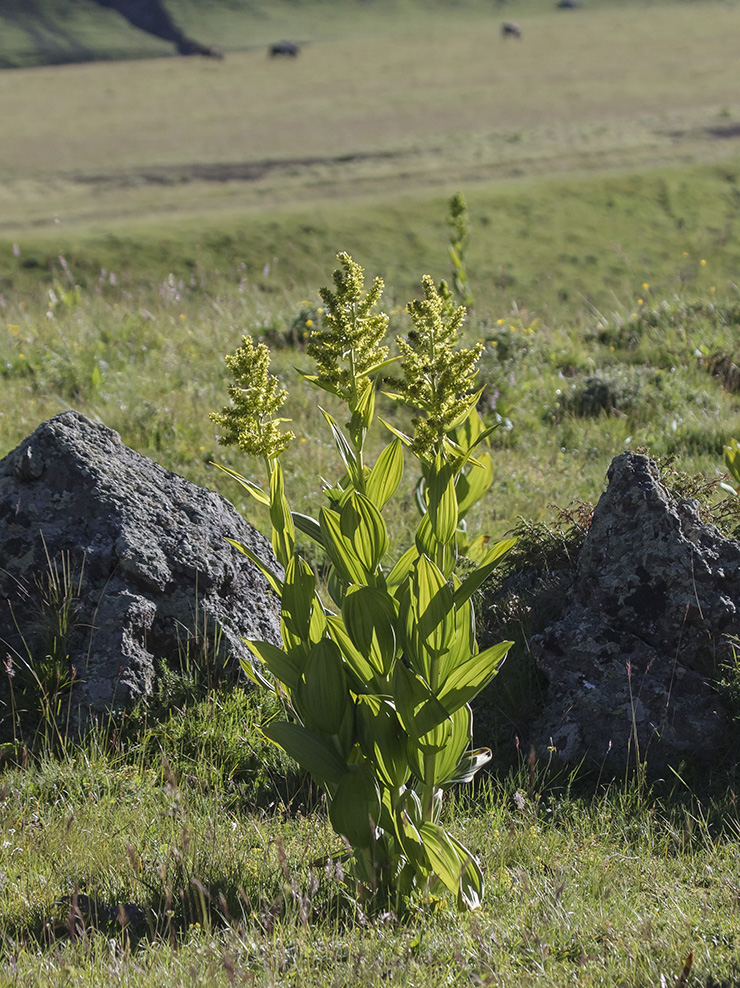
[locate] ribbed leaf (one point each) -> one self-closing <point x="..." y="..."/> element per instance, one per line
<point x="447" y="747"/>
<point x="348" y="565"/>
<point x="257" y="493"/>
<point x="312" y="753"/>
<point x="406" y="440"/>
<point x="321" y="696"/>
<point x="446" y="860"/>
<point x="463" y="644"/>
<point x="298" y="596"/>
<point x="470" y="763"/>
<point x="386" y="474"/>
<point x="471" y="486"/>
<point x="430" y="623"/>
<point x="442" y="501"/>
<point x="418" y="709"/>
<point x="309" y="526"/>
<point x="354" y="811"/>
<point x="402" y="568"/>
<point x="362" y="415"/>
<point x="732" y="459"/>
<point x="471" y="888"/>
<point x="283" y="532"/>
<point x="478" y="577"/>
<point x="466" y="681"/>
<point x="343" y="445"/>
<point x="370" y="618"/>
<point x="282" y="666"/>
<point x="357" y="662"/>
<point x="362" y="524"/>
<point x="383" y="740"/>
<point x="428" y="544"/>
<point x="272" y="578"/>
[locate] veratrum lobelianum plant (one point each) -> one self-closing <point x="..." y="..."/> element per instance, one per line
<point x="379" y="679"/>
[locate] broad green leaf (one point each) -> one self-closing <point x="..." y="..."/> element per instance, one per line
<point x="309" y="526"/>
<point x="317" y="627"/>
<point x="442" y="501"/>
<point x="283" y="532"/>
<point x="470" y="893"/>
<point x="335" y="585"/>
<point x="477" y="549"/>
<point x="362" y="524"/>
<point x="298" y="596"/>
<point x="283" y="667"/>
<point x="418" y="709"/>
<point x="385" y="475"/>
<point x="466" y="435"/>
<point x="430" y="623"/>
<point x="275" y="582"/>
<point x="426" y="540"/>
<point x="321" y="696"/>
<point x="406" y="823"/>
<point x="402" y="568"/>
<point x="428" y="544"/>
<point x="466" y="681"/>
<point x="252" y="672"/>
<point x="732" y="459"/>
<point x="447" y="742"/>
<point x="478" y="577"/>
<point x="348" y="565"/>
<point x="446" y="860"/>
<point x="466" y="408"/>
<point x="362" y="416"/>
<point x="471" y="486"/>
<point x="354" y="811"/>
<point x="357" y="662"/>
<point x="463" y="644"/>
<point x="383" y="740"/>
<point x="312" y="753"/>
<point x="470" y="763"/>
<point x="257" y="493"/>
<point x="370" y="617"/>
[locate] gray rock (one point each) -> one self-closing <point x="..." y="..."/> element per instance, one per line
<point x="142" y="552"/>
<point x="632" y="660"/>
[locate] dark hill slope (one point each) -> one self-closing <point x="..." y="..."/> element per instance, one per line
<point x="48" y="32"/>
<point x="153" y="17"/>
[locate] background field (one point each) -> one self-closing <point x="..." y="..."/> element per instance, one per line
<point x="192" y="200"/>
<point x="154" y="209"/>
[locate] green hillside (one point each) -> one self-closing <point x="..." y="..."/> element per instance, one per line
<point x="48" y="32"/>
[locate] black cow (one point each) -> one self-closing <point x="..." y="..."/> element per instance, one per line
<point x="286" y="49"/>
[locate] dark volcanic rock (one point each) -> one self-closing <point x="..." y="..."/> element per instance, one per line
<point x="632" y="660"/>
<point x="143" y="550"/>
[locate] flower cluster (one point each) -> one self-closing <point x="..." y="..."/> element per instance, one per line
<point x="348" y="351"/>
<point x="437" y="378"/>
<point x="255" y="397"/>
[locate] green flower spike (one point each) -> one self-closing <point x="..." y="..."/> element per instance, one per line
<point x="437" y="379"/>
<point x="255" y="397"/>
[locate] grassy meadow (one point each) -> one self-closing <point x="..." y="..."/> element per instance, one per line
<point x="153" y="210"/>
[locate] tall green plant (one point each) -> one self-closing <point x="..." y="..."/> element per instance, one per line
<point x="458" y="220"/>
<point x="380" y="677"/>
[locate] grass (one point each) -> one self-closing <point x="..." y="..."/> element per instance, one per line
<point x="602" y="891"/>
<point x="604" y="264"/>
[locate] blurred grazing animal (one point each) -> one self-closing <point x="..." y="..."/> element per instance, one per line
<point x="287" y="49"/>
<point x="510" y="29"/>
